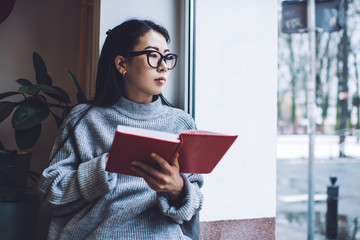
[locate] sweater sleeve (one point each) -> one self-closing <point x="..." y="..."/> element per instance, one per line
<point x="189" y="205"/>
<point x="72" y="178"/>
<point x="192" y="200"/>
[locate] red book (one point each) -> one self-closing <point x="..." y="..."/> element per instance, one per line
<point x="199" y="151"/>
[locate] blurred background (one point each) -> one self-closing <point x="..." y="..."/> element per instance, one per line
<point x="337" y="117"/>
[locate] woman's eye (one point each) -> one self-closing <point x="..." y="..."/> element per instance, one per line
<point x="153" y="55"/>
<point x="171" y="57"/>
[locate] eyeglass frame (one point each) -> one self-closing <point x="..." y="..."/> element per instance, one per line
<point x="147" y="52"/>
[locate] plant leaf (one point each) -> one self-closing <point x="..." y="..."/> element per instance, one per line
<point x="29" y="115"/>
<point x="58" y="120"/>
<point x="8" y="94"/>
<point x="28" y="90"/>
<point x="60" y="95"/>
<point x="80" y="95"/>
<point x="34" y="174"/>
<point x="54" y="92"/>
<point x="27" y="138"/>
<point x="24" y="82"/>
<point x="44" y="79"/>
<point x="6" y="109"/>
<point x="42" y="76"/>
<point x="64" y="94"/>
<point x="65" y="113"/>
<point x="44" y="88"/>
<point x="33" y="179"/>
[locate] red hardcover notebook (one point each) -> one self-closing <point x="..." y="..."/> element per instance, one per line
<point x="199" y="151"/>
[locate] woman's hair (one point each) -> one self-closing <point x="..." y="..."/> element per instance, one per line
<point x="109" y="82"/>
<point x="120" y="40"/>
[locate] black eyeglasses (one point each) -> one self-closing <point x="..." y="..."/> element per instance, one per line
<point x="154" y="58"/>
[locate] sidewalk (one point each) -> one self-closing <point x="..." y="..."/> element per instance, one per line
<point x="292" y="185"/>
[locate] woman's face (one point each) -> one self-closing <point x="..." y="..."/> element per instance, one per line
<point x="142" y="81"/>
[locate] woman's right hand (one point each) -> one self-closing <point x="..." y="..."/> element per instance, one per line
<point x="166" y="179"/>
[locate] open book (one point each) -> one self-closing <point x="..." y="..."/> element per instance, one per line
<point x="199" y="151"/>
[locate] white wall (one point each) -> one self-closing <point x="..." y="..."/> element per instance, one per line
<point x="236" y="82"/>
<point x="165" y="12"/>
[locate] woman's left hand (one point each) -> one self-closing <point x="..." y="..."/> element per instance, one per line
<point x="165" y="179"/>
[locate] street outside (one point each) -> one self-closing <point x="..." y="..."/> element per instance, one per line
<point x="292" y="186"/>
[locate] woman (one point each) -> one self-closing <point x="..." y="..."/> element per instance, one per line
<point x="86" y="201"/>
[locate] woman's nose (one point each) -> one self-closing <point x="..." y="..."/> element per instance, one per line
<point x="163" y="66"/>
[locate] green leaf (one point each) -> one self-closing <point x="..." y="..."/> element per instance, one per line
<point x="29" y="115"/>
<point x="53" y="91"/>
<point x="72" y="76"/>
<point x="64" y="94"/>
<point x="42" y="76"/>
<point x="44" y="79"/>
<point x="39" y="64"/>
<point x="6" y="109"/>
<point x="59" y="95"/>
<point x="8" y="94"/>
<point x="80" y="95"/>
<point x="27" y="138"/>
<point x="33" y="179"/>
<point x="44" y="88"/>
<point x="34" y="174"/>
<point x="28" y="90"/>
<point x="58" y="120"/>
<point x="24" y="82"/>
<point x="65" y="113"/>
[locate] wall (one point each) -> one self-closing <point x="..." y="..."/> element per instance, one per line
<point x="50" y="28"/>
<point x="236" y="82"/>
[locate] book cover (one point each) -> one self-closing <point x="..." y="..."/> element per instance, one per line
<point x="199" y="151"/>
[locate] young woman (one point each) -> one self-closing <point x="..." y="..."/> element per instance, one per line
<point x="87" y="202"/>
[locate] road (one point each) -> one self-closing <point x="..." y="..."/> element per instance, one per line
<point x="292" y="185"/>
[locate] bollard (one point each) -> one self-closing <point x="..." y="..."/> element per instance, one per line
<point x="332" y="209"/>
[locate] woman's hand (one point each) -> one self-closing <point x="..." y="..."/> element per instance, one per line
<point x="166" y="179"/>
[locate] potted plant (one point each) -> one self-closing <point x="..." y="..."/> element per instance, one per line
<point x="37" y="102"/>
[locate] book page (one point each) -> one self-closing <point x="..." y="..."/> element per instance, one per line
<point x="149" y="133"/>
<point x="204" y="132"/>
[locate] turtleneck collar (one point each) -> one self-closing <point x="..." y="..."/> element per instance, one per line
<point x="140" y="111"/>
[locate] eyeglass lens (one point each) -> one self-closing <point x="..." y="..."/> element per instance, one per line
<point x="155" y="59"/>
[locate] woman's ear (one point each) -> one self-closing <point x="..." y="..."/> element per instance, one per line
<point x="120" y="64"/>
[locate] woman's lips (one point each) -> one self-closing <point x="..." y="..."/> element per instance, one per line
<point x="161" y="80"/>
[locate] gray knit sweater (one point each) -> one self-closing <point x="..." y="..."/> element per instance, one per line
<point x="87" y="202"/>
